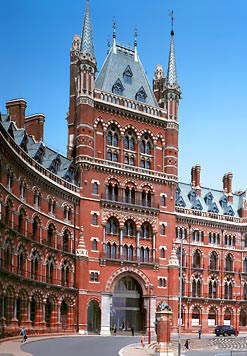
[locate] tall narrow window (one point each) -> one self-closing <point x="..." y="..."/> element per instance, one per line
<point x="95" y="219"/>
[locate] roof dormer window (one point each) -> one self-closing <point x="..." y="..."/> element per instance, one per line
<point x="127" y="75"/>
<point x="118" y="87"/>
<point x="223" y="202"/>
<point x="141" y="95"/>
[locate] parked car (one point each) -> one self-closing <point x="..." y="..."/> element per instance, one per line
<point x="225" y="330"/>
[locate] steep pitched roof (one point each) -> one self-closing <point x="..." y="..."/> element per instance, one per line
<point x="114" y="67"/>
<point x="87" y="45"/>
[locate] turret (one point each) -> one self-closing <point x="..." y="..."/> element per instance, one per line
<point x="171" y="96"/>
<point x="82" y="82"/>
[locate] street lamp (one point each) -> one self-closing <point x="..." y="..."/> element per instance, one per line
<point x="180" y="295"/>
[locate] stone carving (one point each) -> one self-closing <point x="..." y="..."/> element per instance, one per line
<point x="163" y="306"/>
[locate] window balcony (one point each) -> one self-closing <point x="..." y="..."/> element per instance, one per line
<point x="130" y="259"/>
<point x="105" y="198"/>
<point x="18" y="272"/>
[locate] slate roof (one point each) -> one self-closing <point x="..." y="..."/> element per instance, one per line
<point x="39" y="151"/>
<point x="113" y="69"/>
<point x="186" y="197"/>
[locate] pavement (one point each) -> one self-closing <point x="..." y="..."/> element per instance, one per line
<point x="13" y="347"/>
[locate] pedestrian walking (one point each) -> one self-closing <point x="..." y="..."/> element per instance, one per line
<point x="115" y="330"/>
<point x="143" y="340"/>
<point x="199" y="333"/>
<point x="132" y="330"/>
<point x="23" y="334"/>
<point x="187" y="344"/>
<point x="123" y="325"/>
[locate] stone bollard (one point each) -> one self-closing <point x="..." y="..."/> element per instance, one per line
<point x="163" y="316"/>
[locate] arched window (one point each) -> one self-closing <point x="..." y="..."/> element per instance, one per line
<point x="8" y="213"/>
<point x="112" y="226"/>
<point x="66" y="236"/>
<point x="112" y="192"/>
<point x="130" y="195"/>
<point x="35" y="228"/>
<point x="212" y="288"/>
<point x="196" y="287"/>
<point x="146" y="231"/>
<point x="67" y="213"/>
<point x="196" y="259"/>
<point x="228" y="289"/>
<point x="229" y="263"/>
<point x="129" y="229"/>
<point x="195" y="235"/>
<point x="65" y="274"/>
<point x="125" y="252"/>
<point x="142" y="254"/>
<point x="21" y="220"/>
<point x="146" y="255"/>
<point x="108" y="250"/>
<point x="95" y="188"/>
<point x="20" y="260"/>
<point x="34" y="265"/>
<point x="130" y="253"/>
<point x="146" y="145"/>
<point x="51" y="235"/>
<point x="49" y="270"/>
<point x="129" y="141"/>
<point x="112" y="137"/>
<point x="213" y="261"/>
<point x="8" y="255"/>
<point x="114" y="251"/>
<point x="196" y="316"/>
<point x="146" y="198"/>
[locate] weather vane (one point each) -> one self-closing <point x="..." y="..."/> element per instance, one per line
<point x="171" y="14"/>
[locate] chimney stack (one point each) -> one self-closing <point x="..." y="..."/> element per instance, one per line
<point x="16" y="109"/>
<point x="196" y="178"/>
<point x="193" y="178"/>
<point x="34" y="125"/>
<point x="227" y="186"/>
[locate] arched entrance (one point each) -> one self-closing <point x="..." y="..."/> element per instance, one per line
<point x="127" y="307"/>
<point x="64" y="314"/>
<point x="48" y="313"/>
<point x="93" y="317"/>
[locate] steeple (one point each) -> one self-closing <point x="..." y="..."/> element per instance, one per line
<point x="171" y="70"/>
<point x="87" y="34"/>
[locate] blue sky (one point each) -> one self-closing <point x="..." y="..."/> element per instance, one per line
<point x="210" y="40"/>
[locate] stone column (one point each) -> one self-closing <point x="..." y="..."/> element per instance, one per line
<point x="58" y="323"/>
<point x="150" y="302"/>
<point x="138" y="245"/>
<point x="103" y="247"/>
<point x="164" y="333"/>
<point x="154" y="247"/>
<point x="105" y="314"/>
<point x="121" y="243"/>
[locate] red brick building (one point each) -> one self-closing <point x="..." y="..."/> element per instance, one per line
<point x="91" y="241"/>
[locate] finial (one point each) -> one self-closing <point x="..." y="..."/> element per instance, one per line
<point x="171" y="14"/>
<point x="114" y="27"/>
<point x="87" y="45"/>
<point x="114" y="35"/>
<point x="108" y="45"/>
<point x="135" y="37"/>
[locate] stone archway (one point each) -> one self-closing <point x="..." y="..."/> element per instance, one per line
<point x="93" y="317"/>
<point x="143" y="296"/>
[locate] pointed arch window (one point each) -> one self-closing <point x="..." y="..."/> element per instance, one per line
<point x="127" y="75"/>
<point x="35" y="228"/>
<point x="213" y="261"/>
<point x="212" y="288"/>
<point x="65" y="274"/>
<point x="196" y="287"/>
<point x="34" y="265"/>
<point x="197" y="259"/>
<point x="49" y="269"/>
<point x="228" y="289"/>
<point x="66" y="236"/>
<point x="118" y="87"/>
<point x="141" y="95"/>
<point x="51" y="235"/>
<point x="20" y="260"/>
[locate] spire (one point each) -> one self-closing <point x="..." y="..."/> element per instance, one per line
<point x="114" y="36"/>
<point x="171" y="71"/>
<point x="87" y="34"/>
<point x="135" y="45"/>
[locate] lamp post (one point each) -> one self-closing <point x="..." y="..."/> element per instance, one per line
<point x="180" y="296"/>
